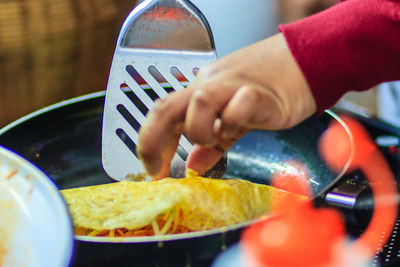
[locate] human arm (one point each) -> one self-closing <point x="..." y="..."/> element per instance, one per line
<point x="351" y="46"/>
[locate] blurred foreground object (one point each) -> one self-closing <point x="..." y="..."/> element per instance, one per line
<point x="35" y="227"/>
<point x="305" y="236"/>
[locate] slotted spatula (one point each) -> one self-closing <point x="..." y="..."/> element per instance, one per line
<point x="161" y="46"/>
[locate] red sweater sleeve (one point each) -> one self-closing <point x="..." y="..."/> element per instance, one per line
<point x="352" y="46"/>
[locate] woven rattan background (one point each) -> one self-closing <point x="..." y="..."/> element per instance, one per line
<point x="52" y="50"/>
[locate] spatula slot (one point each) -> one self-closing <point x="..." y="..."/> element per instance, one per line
<point x="141" y="82"/>
<point x="179" y="76"/>
<point x="134" y="98"/>
<point x="135" y="75"/>
<point x="127" y="140"/>
<point x="128" y="117"/>
<point x="160" y="79"/>
<point x="151" y="93"/>
<point x="182" y="153"/>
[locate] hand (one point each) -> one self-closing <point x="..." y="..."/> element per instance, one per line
<point x="258" y="87"/>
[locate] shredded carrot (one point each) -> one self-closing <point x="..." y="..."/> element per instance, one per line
<point x="166" y="223"/>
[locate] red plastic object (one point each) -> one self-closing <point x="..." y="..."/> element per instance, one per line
<point x="304" y="236"/>
<point x="368" y="158"/>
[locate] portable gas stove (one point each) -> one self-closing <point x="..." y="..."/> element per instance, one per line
<point x="352" y="194"/>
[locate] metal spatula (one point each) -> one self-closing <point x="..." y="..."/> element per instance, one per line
<point x="161" y="46"/>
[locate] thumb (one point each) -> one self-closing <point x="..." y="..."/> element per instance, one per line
<point x="201" y="158"/>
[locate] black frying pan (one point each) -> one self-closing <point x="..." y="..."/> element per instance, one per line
<point x="64" y="140"/>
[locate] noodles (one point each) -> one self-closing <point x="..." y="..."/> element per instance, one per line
<point x="166" y="224"/>
<point x="167" y="206"/>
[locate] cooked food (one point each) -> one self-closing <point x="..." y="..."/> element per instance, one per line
<point x="167" y="206"/>
<point x="10" y="219"/>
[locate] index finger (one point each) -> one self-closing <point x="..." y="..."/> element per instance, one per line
<point x="160" y="128"/>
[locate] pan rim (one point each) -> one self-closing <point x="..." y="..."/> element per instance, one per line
<point x="171" y="237"/>
<point x="49" y="108"/>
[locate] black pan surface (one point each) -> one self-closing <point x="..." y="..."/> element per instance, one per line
<point x="64" y="141"/>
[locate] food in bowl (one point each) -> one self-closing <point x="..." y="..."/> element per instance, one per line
<point x="167" y="206"/>
<point x="9" y="218"/>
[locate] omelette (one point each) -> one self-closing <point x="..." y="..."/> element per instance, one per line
<point x="167" y="206"/>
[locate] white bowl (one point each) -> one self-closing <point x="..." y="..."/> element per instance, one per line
<point x="35" y="226"/>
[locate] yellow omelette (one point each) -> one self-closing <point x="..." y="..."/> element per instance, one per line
<point x="167" y="206"/>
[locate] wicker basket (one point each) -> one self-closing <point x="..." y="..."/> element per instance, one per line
<point x="52" y="50"/>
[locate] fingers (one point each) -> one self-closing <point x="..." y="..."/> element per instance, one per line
<point x="207" y="103"/>
<point x="202" y="159"/>
<point x="195" y="109"/>
<point x="167" y="154"/>
<point x="239" y="111"/>
<point x="251" y="107"/>
<point x="260" y="87"/>
<point x="159" y="135"/>
<point x="201" y="115"/>
<point x="198" y="112"/>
